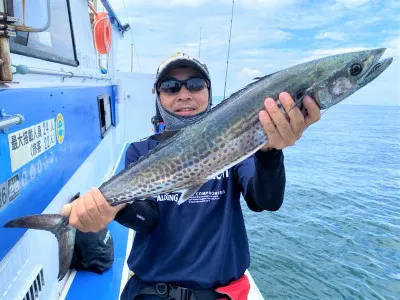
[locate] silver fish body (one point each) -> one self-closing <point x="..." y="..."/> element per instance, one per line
<point x="228" y="134"/>
<point x="231" y="131"/>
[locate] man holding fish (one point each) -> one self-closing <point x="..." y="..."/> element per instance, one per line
<point x="187" y="248"/>
<point x="185" y="184"/>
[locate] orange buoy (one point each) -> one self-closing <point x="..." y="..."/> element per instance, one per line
<point x="102" y="33"/>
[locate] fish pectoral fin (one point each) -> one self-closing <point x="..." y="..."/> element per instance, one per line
<point x="59" y="226"/>
<point x="189" y="192"/>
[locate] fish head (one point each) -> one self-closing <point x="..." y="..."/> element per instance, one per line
<point x="348" y="73"/>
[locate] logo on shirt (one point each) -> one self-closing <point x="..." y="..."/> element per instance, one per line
<point x="107" y="237"/>
<point x="222" y="175"/>
<point x="205" y="196"/>
<point x="168" y="197"/>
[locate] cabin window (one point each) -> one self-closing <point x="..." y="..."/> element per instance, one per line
<point x="44" y="30"/>
<point x="105" y="117"/>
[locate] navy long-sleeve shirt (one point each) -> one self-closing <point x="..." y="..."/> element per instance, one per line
<point x="202" y="243"/>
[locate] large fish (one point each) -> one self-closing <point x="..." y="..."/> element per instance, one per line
<point x="227" y="135"/>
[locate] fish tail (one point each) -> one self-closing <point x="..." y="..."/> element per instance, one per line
<point x="59" y="226"/>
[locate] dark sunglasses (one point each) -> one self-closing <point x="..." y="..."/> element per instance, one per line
<point x="172" y="86"/>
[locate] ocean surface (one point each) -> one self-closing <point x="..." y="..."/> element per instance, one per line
<point x="337" y="234"/>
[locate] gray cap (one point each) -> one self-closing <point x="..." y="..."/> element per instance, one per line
<point x="181" y="59"/>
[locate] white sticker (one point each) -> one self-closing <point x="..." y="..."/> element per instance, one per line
<point x="39" y="166"/>
<point x="32" y="172"/>
<point x="24" y="179"/>
<point x="28" y="143"/>
<point x="3" y="196"/>
<point x="13" y="187"/>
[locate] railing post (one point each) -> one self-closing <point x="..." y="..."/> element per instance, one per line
<point x="5" y="60"/>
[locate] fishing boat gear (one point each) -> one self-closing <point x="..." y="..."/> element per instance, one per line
<point x="102" y="33"/>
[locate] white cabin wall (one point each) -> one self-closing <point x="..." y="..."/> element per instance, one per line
<point x="39" y="248"/>
<point x="139" y="104"/>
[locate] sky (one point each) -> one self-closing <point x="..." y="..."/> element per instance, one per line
<point x="267" y="36"/>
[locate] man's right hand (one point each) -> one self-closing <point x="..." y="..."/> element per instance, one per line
<point x="90" y="212"/>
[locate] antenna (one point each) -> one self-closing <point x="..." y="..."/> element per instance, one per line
<point x="133" y="46"/>
<point x="229" y="47"/>
<point x="200" y="42"/>
<point x="131" y="57"/>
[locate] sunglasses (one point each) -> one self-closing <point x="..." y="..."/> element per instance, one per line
<point x="172" y="86"/>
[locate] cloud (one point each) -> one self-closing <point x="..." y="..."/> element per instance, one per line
<point x="258" y="52"/>
<point x="119" y="4"/>
<point x="205" y="45"/>
<point x="330" y="35"/>
<point x="265" y="4"/>
<point x="319" y="53"/>
<point x="247" y="74"/>
<point x="393" y="47"/>
<point x="248" y="4"/>
<point x="353" y="3"/>
<point x="267" y="35"/>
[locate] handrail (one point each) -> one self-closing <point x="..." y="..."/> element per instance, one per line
<point x="23" y="70"/>
<point x="8" y="121"/>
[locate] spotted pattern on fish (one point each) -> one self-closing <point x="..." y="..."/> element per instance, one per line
<point x="232" y="131"/>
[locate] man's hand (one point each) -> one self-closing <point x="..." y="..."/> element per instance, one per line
<point x="90" y="212"/>
<point x="281" y="132"/>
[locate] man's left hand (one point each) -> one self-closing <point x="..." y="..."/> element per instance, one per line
<point x="281" y="132"/>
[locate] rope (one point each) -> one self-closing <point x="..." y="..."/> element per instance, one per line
<point x="132" y="40"/>
<point x="229" y="47"/>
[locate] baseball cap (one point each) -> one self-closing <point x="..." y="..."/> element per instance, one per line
<point x="181" y="59"/>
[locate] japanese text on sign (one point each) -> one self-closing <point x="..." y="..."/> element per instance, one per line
<point x="28" y="143"/>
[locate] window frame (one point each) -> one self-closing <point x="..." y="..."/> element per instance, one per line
<point x="39" y="54"/>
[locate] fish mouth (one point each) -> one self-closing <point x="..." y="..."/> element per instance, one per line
<point x="376" y="67"/>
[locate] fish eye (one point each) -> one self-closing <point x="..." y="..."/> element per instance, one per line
<point x="356" y="69"/>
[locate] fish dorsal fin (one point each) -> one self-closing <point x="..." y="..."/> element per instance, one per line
<point x="165" y="135"/>
<point x="256" y="80"/>
<point x="189" y="192"/>
<point x="237" y="93"/>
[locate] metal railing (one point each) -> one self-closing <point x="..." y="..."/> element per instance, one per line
<point x="23" y="70"/>
<point x="7" y="121"/>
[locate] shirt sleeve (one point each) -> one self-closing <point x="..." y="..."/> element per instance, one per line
<point x="262" y="179"/>
<point x="141" y="216"/>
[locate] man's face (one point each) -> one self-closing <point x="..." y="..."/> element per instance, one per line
<point x="184" y="102"/>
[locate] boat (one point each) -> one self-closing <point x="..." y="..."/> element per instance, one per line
<point x="66" y="120"/>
